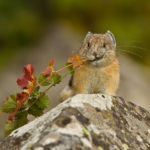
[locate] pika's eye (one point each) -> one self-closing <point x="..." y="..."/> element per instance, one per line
<point x="89" y="45"/>
<point x="104" y="45"/>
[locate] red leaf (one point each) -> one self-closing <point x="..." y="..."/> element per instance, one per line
<point x="30" y="87"/>
<point x="51" y="63"/>
<point x="71" y="58"/>
<point x="28" y="70"/>
<point x="12" y="115"/>
<point x="22" y="82"/>
<point x="77" y="62"/>
<point x="48" y="78"/>
<point x="47" y="71"/>
<point x="28" y="76"/>
<point x="22" y="97"/>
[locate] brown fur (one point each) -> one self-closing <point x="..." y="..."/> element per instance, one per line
<point x="97" y="75"/>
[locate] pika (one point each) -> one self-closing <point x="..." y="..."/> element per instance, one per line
<point x="101" y="72"/>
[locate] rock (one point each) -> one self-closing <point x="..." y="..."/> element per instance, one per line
<point x="85" y="122"/>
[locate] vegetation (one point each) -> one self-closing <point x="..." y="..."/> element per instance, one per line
<point x="31" y="100"/>
<point x="23" y="22"/>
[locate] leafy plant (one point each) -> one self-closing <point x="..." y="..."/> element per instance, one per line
<point x="31" y="100"/>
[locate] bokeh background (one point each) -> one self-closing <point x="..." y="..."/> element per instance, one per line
<point x="35" y="31"/>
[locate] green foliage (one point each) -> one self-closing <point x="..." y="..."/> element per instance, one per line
<point x="18" y="14"/>
<point x="36" y="92"/>
<point x="35" y="110"/>
<point x="43" y="81"/>
<point x="70" y="68"/>
<point x="19" y="120"/>
<point x="39" y="105"/>
<point x="36" y="104"/>
<point x="82" y="15"/>
<point x="43" y="102"/>
<point x="10" y="126"/>
<point x="55" y="79"/>
<point x="9" y="105"/>
<point x="31" y="100"/>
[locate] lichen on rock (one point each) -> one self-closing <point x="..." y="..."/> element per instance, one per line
<point x="85" y="122"/>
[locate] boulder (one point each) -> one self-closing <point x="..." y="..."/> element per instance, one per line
<point x="85" y="122"/>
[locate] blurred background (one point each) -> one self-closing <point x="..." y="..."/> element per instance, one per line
<point x="35" y="31"/>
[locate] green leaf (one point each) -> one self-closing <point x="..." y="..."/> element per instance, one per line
<point x="43" y="102"/>
<point x="10" y="126"/>
<point x="55" y="79"/>
<point x="70" y="68"/>
<point x="9" y="105"/>
<point x="30" y="101"/>
<point x="42" y="79"/>
<point x="40" y="104"/>
<point x="35" y="92"/>
<point x="35" y="110"/>
<point x="19" y="120"/>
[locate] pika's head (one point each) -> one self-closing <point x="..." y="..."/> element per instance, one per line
<point x="98" y="49"/>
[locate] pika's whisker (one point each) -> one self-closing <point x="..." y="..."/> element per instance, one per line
<point x="131" y="41"/>
<point x="130" y="52"/>
<point x="135" y="47"/>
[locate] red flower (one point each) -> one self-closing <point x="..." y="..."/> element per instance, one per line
<point x="77" y="61"/>
<point x="28" y="76"/>
<point x="51" y="63"/>
<point x="71" y="58"/>
<point x="30" y="86"/>
<point x="12" y="115"/>
<point x="22" y="82"/>
<point x="49" y="69"/>
<point x="27" y="83"/>
<point x="21" y="98"/>
<point x="28" y="70"/>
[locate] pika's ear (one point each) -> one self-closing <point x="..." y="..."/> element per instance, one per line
<point x="111" y="37"/>
<point x="87" y="35"/>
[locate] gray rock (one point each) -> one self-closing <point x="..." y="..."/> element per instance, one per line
<point x="85" y="122"/>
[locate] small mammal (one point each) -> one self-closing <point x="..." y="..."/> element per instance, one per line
<point x="101" y="72"/>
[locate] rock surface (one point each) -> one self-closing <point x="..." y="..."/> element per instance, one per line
<point x="85" y="122"/>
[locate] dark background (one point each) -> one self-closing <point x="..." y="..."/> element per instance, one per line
<point x="35" y="31"/>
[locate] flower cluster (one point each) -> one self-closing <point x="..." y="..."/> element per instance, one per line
<point x="49" y="69"/>
<point x="31" y="100"/>
<point x="27" y="83"/>
<point x="75" y="60"/>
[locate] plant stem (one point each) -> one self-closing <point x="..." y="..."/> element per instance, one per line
<point x="48" y="89"/>
<point x="57" y="81"/>
<point x="64" y="68"/>
<point x="54" y="72"/>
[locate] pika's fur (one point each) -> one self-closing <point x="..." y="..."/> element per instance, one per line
<point x="101" y="72"/>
